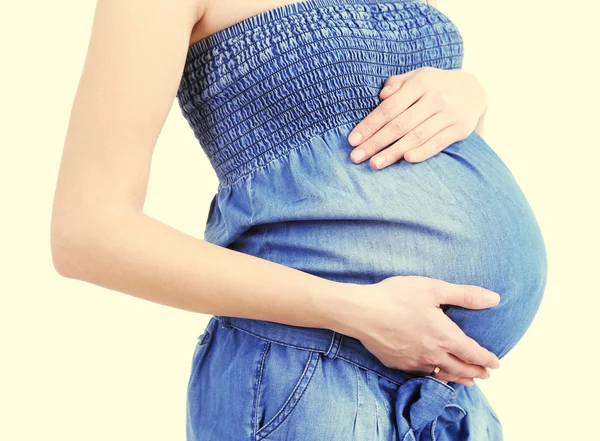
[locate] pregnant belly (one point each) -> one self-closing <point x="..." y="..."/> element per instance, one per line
<point x="459" y="216"/>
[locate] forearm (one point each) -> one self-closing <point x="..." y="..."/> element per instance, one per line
<point x="141" y="256"/>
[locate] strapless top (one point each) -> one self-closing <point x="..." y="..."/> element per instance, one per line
<point x="265" y="86"/>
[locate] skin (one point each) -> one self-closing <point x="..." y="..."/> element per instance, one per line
<point x="100" y="234"/>
<point x="423" y="112"/>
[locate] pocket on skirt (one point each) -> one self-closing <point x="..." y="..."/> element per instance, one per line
<point x="202" y="343"/>
<point x="284" y="375"/>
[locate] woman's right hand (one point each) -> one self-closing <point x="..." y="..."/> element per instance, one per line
<point x="399" y="320"/>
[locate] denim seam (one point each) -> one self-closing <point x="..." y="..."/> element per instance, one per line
<point x="357" y="394"/>
<point x="269" y="339"/>
<point x="286" y="409"/>
<point x="410" y="432"/>
<point x="254" y="417"/>
<point x="251" y="172"/>
<point x="226" y="183"/>
<point x="371" y="369"/>
<point x="333" y="337"/>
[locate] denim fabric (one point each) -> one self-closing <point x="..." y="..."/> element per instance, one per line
<point x="256" y="380"/>
<point x="272" y="100"/>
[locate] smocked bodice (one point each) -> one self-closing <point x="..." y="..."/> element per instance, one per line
<point x="262" y="87"/>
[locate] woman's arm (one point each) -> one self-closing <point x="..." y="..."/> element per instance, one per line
<point x="100" y="234"/>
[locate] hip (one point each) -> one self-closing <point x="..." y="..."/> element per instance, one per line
<point x="256" y="380"/>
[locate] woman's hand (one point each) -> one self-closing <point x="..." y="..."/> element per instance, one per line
<point x="423" y="112"/>
<point x="399" y="320"/>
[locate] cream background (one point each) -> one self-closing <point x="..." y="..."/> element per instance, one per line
<point x="80" y="362"/>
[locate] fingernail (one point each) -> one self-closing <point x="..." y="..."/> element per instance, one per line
<point x="492" y="297"/>
<point x="354" y="138"/>
<point x="379" y="161"/>
<point x="358" y="155"/>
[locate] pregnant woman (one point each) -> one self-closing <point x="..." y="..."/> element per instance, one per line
<point x="349" y="301"/>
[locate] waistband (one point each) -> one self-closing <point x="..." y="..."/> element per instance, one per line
<point x="421" y="400"/>
<point x="325" y="341"/>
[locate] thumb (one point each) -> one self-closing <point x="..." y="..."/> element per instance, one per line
<point x="467" y="296"/>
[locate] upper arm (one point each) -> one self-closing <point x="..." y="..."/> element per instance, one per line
<point x="432" y="2"/>
<point x="129" y="81"/>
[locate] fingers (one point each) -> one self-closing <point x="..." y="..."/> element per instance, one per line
<point x="467" y="349"/>
<point x="444" y="376"/>
<point x="414" y="140"/>
<point x="458" y="368"/>
<point x="436" y="143"/>
<point x="385" y="112"/>
<point x="393" y="83"/>
<point x="467" y="296"/>
<point x="393" y="130"/>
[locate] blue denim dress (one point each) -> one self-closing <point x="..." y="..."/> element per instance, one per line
<point x="271" y="100"/>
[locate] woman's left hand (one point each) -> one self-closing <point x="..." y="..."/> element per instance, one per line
<point x="423" y="112"/>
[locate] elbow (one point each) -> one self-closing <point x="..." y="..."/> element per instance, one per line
<point x="69" y="245"/>
<point x="79" y="242"/>
<point x="62" y="252"/>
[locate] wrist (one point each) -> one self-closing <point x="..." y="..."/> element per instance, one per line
<point x="342" y="308"/>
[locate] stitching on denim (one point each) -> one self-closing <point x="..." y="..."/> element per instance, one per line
<point x="357" y="393"/>
<point x="368" y="374"/>
<point x="372" y="370"/>
<point x="309" y="371"/>
<point x="333" y="337"/>
<point x="447" y="28"/>
<point x="336" y="345"/>
<point x="239" y="137"/>
<point x="410" y="432"/>
<point x="249" y="173"/>
<point x="464" y="412"/>
<point x="229" y="179"/>
<point x="197" y="112"/>
<point x="254" y="418"/>
<point x="288" y="21"/>
<point x="269" y="339"/>
<point x="199" y="115"/>
<point x="192" y="88"/>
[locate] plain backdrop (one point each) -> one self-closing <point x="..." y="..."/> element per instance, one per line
<point x="80" y="362"/>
